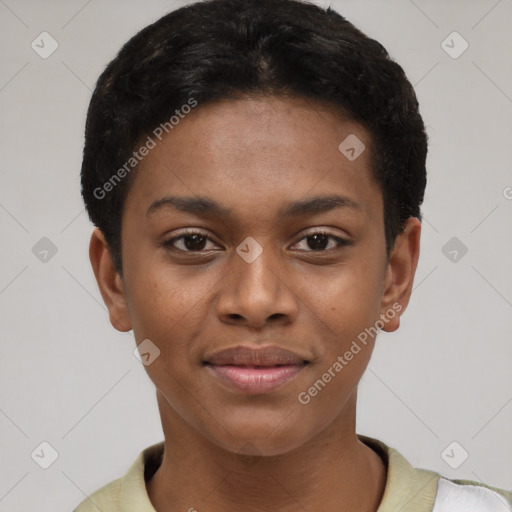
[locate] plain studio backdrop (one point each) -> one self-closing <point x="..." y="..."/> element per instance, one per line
<point x="439" y="390"/>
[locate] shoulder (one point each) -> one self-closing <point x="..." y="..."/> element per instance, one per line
<point x="128" y="493"/>
<point x="466" y="495"/>
<point x="411" y="489"/>
<point x="105" y="498"/>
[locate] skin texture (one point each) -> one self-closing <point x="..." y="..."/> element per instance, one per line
<point x="225" y="449"/>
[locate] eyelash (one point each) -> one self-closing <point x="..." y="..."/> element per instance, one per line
<point x="341" y="242"/>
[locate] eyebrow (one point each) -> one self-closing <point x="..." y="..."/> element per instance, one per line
<point x="203" y="206"/>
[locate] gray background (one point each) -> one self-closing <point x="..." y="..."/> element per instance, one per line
<point x="68" y="378"/>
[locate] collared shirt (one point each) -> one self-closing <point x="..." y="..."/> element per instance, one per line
<point x="407" y="489"/>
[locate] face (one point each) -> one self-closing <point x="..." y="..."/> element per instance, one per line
<point x="254" y="259"/>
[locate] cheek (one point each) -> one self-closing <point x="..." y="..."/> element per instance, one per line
<point x="162" y="301"/>
<point x="346" y="309"/>
<point x="347" y="301"/>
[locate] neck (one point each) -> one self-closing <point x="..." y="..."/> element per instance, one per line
<point x="333" y="471"/>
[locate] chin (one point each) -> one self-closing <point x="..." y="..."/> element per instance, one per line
<point x="262" y="439"/>
<point x="262" y="446"/>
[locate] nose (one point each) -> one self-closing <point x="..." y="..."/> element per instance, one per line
<point x="257" y="293"/>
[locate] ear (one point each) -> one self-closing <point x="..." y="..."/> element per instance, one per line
<point x="398" y="282"/>
<point x="109" y="282"/>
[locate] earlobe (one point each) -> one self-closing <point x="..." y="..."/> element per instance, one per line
<point x="400" y="272"/>
<point x="109" y="282"/>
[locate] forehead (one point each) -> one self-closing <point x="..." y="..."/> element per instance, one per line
<point x="257" y="153"/>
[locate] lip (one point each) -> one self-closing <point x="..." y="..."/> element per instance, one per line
<point x="256" y="370"/>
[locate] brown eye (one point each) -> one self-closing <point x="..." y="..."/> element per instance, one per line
<point x="319" y="242"/>
<point x="194" y="242"/>
<point x="188" y="242"/>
